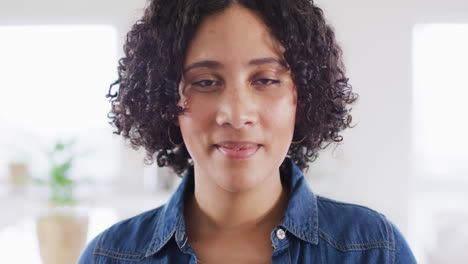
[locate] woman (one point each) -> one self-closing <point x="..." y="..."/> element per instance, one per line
<point x="239" y="96"/>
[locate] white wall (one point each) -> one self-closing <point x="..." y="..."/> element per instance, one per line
<point x="373" y="167"/>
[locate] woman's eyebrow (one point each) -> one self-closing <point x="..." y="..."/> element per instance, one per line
<point x="206" y="63"/>
<point x="217" y="65"/>
<point x="267" y="60"/>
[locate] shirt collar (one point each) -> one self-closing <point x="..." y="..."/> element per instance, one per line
<point x="171" y="218"/>
<point x="300" y="217"/>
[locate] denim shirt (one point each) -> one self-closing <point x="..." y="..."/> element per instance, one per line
<point x="313" y="229"/>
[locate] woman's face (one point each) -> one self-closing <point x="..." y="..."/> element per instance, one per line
<point x="240" y="100"/>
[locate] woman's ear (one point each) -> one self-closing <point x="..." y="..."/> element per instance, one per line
<point x="182" y="100"/>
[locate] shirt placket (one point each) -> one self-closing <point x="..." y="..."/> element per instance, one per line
<point x="280" y="241"/>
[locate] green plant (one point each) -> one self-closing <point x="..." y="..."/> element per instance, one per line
<point x="61" y="186"/>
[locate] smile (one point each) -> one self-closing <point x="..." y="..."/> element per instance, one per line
<point x="238" y="153"/>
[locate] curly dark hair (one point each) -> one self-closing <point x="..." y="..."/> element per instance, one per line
<point x="145" y="106"/>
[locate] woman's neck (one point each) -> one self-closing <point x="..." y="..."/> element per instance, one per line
<point x="213" y="210"/>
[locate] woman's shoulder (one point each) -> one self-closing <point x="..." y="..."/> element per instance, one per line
<point x="351" y="227"/>
<point x="338" y="215"/>
<point x="124" y="240"/>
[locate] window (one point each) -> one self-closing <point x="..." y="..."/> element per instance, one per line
<point x="440" y="93"/>
<point x="53" y="86"/>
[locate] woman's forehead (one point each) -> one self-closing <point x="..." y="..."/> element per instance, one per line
<point x="235" y="35"/>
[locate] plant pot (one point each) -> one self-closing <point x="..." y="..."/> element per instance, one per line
<point x="18" y="173"/>
<point x="62" y="237"/>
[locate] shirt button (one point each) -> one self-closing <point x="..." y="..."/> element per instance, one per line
<point x="280" y="234"/>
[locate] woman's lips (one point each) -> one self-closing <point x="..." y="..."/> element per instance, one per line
<point x="238" y="152"/>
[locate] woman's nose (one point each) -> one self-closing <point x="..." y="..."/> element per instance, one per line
<point x="237" y="108"/>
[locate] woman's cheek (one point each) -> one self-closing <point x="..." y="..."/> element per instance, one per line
<point x="283" y="106"/>
<point x="202" y="107"/>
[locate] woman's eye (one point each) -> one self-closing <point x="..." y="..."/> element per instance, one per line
<point x="206" y="83"/>
<point x="266" y="81"/>
<point x="206" y="86"/>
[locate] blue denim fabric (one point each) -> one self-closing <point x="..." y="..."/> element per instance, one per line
<point x="318" y="230"/>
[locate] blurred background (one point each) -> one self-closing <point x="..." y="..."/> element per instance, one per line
<point x="406" y="157"/>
